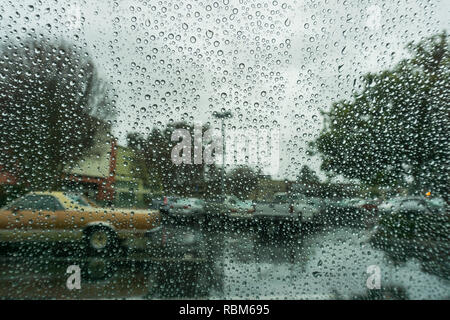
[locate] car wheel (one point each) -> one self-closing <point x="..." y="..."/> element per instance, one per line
<point x="97" y="269"/>
<point x="101" y="241"/>
<point x="4" y="248"/>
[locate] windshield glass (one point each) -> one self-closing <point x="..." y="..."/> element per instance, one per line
<point x="78" y="199"/>
<point x="224" y="149"/>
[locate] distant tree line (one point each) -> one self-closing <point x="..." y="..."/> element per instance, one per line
<point x="155" y="166"/>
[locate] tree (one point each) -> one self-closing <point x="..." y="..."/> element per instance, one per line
<point x="213" y="181"/>
<point x="242" y="180"/>
<point x="154" y="153"/>
<point x="308" y="183"/>
<point x="51" y="102"/>
<point x="396" y="131"/>
<point x="307" y="175"/>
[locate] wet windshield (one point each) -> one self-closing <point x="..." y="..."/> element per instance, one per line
<point x="78" y="199"/>
<point x="225" y="149"/>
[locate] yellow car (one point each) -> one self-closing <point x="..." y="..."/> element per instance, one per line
<point x="59" y="216"/>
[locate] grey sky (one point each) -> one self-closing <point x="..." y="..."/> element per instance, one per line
<point x="276" y="64"/>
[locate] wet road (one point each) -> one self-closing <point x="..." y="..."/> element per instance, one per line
<point x="239" y="265"/>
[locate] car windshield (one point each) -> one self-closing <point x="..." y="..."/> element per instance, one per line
<point x="224" y="149"/>
<point x="243" y="204"/>
<point x="439" y="202"/>
<point x="78" y="199"/>
<point x="281" y="199"/>
<point x="188" y="201"/>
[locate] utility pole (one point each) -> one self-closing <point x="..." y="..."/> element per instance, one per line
<point x="222" y="116"/>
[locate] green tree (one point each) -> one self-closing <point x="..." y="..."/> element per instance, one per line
<point x="241" y="181"/>
<point x="396" y="131"/>
<point x="153" y="152"/>
<point x="307" y="175"/>
<point x="307" y="182"/>
<point x="51" y="103"/>
<point x="213" y="181"/>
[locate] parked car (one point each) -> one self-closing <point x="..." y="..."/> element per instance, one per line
<point x="389" y="204"/>
<point x="414" y="203"/>
<point x="359" y="203"/>
<point x="58" y="216"/>
<point x="349" y="211"/>
<point x="163" y="204"/>
<point x="229" y="208"/>
<point x="310" y="208"/>
<point x="281" y="197"/>
<point x="305" y="209"/>
<point x="279" y="205"/>
<point x="187" y="207"/>
<point x="350" y="203"/>
<point x="236" y="208"/>
<point x="214" y="209"/>
<point x="415" y="227"/>
<point x="278" y="216"/>
<point x="370" y="204"/>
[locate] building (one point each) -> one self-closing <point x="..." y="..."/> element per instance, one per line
<point x="95" y="173"/>
<point x="267" y="188"/>
<point x="108" y="174"/>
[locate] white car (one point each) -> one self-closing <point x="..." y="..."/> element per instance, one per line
<point x="240" y="209"/>
<point x="309" y="208"/>
<point x="187" y="207"/>
<point x="390" y="204"/>
<point x="419" y="204"/>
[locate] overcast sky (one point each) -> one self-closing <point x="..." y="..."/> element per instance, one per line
<point x="275" y="64"/>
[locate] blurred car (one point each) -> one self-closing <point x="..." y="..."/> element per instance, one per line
<point x="58" y="216"/>
<point x="414" y="203"/>
<point x="229" y="207"/>
<point x="347" y="211"/>
<point x="370" y="205"/>
<point x="280" y="206"/>
<point x="352" y="203"/>
<point x="281" y="197"/>
<point x="163" y="204"/>
<point x="187" y="207"/>
<point x="287" y="213"/>
<point x="413" y="223"/>
<point x="214" y="208"/>
<point x="389" y="204"/>
<point x="438" y="202"/>
<point x="310" y="208"/>
<point x="360" y="203"/>
<point x="238" y="209"/>
<point x="285" y="207"/>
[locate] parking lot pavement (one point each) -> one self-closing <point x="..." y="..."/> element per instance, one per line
<point x="238" y="264"/>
